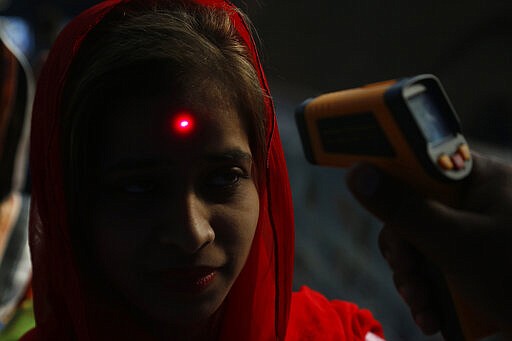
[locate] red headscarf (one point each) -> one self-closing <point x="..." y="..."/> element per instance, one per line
<point x="258" y="305"/>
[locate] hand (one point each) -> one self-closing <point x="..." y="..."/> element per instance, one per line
<point x="469" y="244"/>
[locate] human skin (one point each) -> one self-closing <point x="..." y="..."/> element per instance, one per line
<point x="470" y="244"/>
<point x="173" y="215"/>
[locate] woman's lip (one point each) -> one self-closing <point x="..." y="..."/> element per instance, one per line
<point x="188" y="271"/>
<point x="187" y="280"/>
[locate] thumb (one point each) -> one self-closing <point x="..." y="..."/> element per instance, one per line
<point x="443" y="234"/>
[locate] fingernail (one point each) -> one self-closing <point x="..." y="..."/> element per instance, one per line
<point x="366" y="180"/>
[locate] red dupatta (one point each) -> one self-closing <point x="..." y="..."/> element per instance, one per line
<point x="257" y="307"/>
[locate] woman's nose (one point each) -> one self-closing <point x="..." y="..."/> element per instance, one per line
<point x="189" y="227"/>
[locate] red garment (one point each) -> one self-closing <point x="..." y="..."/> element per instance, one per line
<point x="313" y="317"/>
<point x="258" y="305"/>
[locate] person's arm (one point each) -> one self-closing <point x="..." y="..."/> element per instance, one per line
<point x="471" y="244"/>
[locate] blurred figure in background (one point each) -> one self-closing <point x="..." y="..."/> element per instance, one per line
<point x="16" y="93"/>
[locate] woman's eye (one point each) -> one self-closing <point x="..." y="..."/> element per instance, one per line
<point x="226" y="178"/>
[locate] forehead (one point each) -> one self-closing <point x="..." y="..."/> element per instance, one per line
<point x="157" y="117"/>
<point x="144" y="127"/>
<point x="209" y="101"/>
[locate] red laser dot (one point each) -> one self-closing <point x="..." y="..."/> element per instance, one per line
<point x="183" y="123"/>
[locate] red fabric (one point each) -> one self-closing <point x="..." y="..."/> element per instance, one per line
<point x="258" y="306"/>
<point x="313" y="317"/>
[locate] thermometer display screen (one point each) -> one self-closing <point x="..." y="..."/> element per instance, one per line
<point x="430" y="118"/>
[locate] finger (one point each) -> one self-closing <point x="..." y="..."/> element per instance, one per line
<point x="412" y="280"/>
<point x="487" y="167"/>
<point x="488" y="183"/>
<point x="415" y="290"/>
<point x="400" y="254"/>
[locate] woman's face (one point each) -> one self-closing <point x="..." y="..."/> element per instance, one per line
<point x="173" y="213"/>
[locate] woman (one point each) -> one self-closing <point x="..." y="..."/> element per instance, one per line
<point x="161" y="207"/>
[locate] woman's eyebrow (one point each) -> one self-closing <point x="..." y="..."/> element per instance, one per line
<point x="228" y="155"/>
<point x="133" y="164"/>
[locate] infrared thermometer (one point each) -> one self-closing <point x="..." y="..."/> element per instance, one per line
<point x="409" y="129"/>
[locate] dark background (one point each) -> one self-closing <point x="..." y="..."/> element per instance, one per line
<point x="313" y="47"/>
<point x="331" y="45"/>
